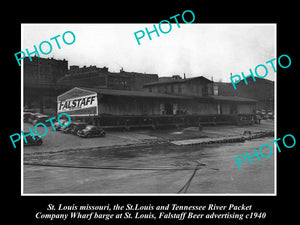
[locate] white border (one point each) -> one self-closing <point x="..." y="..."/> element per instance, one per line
<point x="157" y="194"/>
<point x="275" y="116"/>
<point x="22" y="111"/>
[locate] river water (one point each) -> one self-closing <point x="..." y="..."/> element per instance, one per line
<point x="144" y="169"/>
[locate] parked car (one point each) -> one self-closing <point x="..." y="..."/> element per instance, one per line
<point x="41" y="119"/>
<point x="26" y="116"/>
<point x="33" y="116"/>
<point x="58" y="126"/>
<point x="27" y="109"/>
<point x="30" y="141"/>
<point x="76" y="126"/>
<point x="91" y="131"/>
<point x="66" y="129"/>
<point x="73" y="127"/>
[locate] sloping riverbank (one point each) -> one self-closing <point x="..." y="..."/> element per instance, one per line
<point x="229" y="139"/>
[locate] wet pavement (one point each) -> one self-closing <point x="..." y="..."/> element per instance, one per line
<point x="151" y="168"/>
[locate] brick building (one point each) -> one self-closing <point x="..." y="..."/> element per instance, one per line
<point x="46" y="78"/>
<point x="40" y="79"/>
<point x="93" y="76"/>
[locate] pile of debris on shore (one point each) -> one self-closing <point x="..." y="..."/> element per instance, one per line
<point x="230" y="139"/>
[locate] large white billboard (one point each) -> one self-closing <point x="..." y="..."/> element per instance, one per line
<point x="78" y="102"/>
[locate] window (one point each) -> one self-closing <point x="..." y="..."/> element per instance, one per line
<point x="168" y="89"/>
<point x="164" y="89"/>
<point x="216" y="90"/>
<point x="162" y="109"/>
<point x="172" y="88"/>
<point x="204" y="91"/>
<point x="175" y="88"/>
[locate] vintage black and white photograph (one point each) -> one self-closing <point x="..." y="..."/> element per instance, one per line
<point x="144" y="109"/>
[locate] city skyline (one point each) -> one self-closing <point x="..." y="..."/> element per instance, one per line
<point x="229" y="48"/>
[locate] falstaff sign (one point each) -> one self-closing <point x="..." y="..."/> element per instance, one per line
<point x="78" y="102"/>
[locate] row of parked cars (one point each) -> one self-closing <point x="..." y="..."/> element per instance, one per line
<point x="34" y="118"/>
<point x="80" y="129"/>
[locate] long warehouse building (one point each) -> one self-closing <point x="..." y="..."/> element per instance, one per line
<point x="124" y="108"/>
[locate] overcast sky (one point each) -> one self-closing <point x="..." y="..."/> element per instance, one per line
<point x="194" y="49"/>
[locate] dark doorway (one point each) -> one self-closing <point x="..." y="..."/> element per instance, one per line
<point x="169" y="108"/>
<point x="219" y="109"/>
<point x="233" y="109"/>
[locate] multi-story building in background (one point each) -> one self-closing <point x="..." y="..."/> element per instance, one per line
<point x="93" y="76"/>
<point x="46" y="78"/>
<point x="40" y="79"/>
<point x="140" y="95"/>
<point x="262" y="90"/>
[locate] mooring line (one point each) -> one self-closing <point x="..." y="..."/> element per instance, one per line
<point x="187" y="184"/>
<point x="107" y="167"/>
